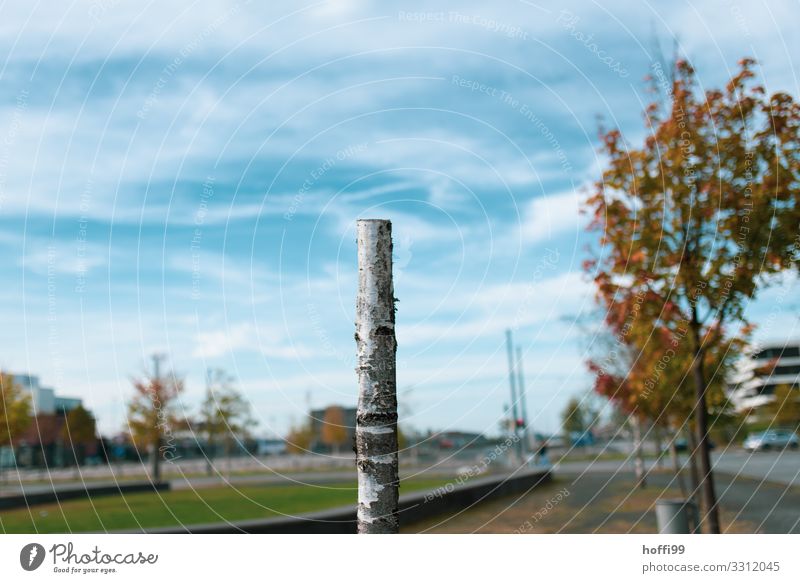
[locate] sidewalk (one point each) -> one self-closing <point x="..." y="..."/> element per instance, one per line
<point x="603" y="503"/>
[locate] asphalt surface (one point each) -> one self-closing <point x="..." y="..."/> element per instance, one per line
<point x="781" y="468"/>
<point x="761" y="468"/>
<point x="603" y="502"/>
<point x="777" y="467"/>
<point x="199" y="482"/>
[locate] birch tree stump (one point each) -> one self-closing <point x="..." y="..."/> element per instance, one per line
<point x="376" y="419"/>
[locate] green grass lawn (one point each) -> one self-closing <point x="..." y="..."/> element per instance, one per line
<point x="186" y="507"/>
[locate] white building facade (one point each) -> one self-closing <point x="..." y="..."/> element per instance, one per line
<point x="43" y="399"/>
<point x="768" y="366"/>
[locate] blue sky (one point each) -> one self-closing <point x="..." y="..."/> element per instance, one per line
<point x="185" y="178"/>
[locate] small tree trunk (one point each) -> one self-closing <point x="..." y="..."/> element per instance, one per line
<point x="157" y="460"/>
<point x="676" y="466"/>
<point x="376" y="419"/>
<point x="694" y="474"/>
<point x="709" y="497"/>
<point x="77" y="454"/>
<point x="638" y="460"/>
<point x="659" y="443"/>
<point x="208" y="456"/>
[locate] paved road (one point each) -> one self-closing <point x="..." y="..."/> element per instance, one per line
<point x="773" y="467"/>
<point x="299" y="478"/>
<point x="196" y="482"/>
<point x="31" y="489"/>
<point x="289" y="463"/>
<point x="776" y="467"/>
<point x="199" y="482"/>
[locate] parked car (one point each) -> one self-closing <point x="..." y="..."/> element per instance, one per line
<point x="771" y="439"/>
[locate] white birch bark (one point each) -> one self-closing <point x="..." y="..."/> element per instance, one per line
<point x="376" y="419"/>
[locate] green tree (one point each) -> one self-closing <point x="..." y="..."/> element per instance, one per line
<point x="298" y="440"/>
<point x="225" y="416"/>
<point x="785" y="409"/>
<point x="79" y="428"/>
<point x="574" y="418"/>
<point x="15" y="411"/>
<point x="699" y="218"/>
<point x="152" y="419"/>
<point x="641" y="368"/>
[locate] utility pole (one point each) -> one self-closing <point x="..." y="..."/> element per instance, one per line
<point x="522" y="402"/>
<point x="157" y="358"/>
<point x="376" y="417"/>
<point x="512" y="381"/>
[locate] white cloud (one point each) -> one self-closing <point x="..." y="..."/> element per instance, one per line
<point x="73" y="258"/>
<point x="216" y="343"/>
<point x="245" y="337"/>
<point x="544" y="218"/>
<point x="496" y="307"/>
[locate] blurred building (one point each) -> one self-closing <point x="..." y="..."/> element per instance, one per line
<point x="43" y="443"/>
<point x="270" y="447"/>
<point x="43" y="399"/>
<point x="347" y="426"/>
<point x="767" y="367"/>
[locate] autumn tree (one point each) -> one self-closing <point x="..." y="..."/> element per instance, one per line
<point x="613" y="380"/>
<point x="641" y="368"/>
<point x="619" y="365"/>
<point x="784" y="410"/>
<point x="299" y="438"/>
<point x="334" y="432"/>
<point x="574" y="417"/>
<point x="699" y="218"/>
<point x="79" y="428"/>
<point x="152" y="418"/>
<point x="15" y="410"/>
<point x="225" y="416"/>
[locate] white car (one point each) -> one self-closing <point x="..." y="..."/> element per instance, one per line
<point x="772" y="439"/>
